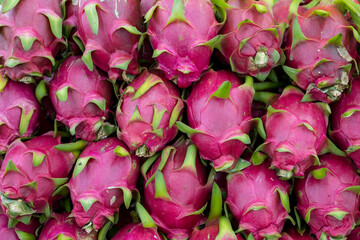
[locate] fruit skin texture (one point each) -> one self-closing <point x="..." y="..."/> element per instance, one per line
<point x="326" y="192"/>
<point x="19" y="112"/>
<point x="320" y="52"/>
<point x="344" y="118"/>
<point x="296" y="132"/>
<point x="219" y="113"/>
<point x="250" y="39"/>
<point x="179" y="36"/>
<point x="60" y="225"/>
<point x="31" y="34"/>
<point x="81" y="99"/>
<point x="110" y="33"/>
<point x="104" y="175"/>
<point x="176" y="185"/>
<point x="135" y="231"/>
<point x="147" y="112"/>
<point x="30" y="174"/>
<point x="258" y="200"/>
<point x="355" y="234"/>
<point x="20" y="231"/>
<point x="293" y="234"/>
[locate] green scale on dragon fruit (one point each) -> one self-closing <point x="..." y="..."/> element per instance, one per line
<point x="61" y="226"/>
<point x="104" y="177"/>
<point x="13" y="230"/>
<point x="328" y="197"/>
<point x="217" y="227"/>
<point x="259" y="201"/>
<point x="147" y="112"/>
<point x="81" y="99"/>
<point x="296" y="134"/>
<point x="250" y="39"/>
<point x="183" y="35"/>
<point x="147" y="229"/>
<point x="19" y="111"/>
<point x="177" y="189"/>
<point x="31" y="37"/>
<point x="108" y="33"/>
<point x="219" y="117"/>
<point x="320" y="51"/>
<point x="31" y="172"/>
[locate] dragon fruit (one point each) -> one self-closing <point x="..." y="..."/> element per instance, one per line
<point x="219" y="114"/>
<point x="19" y="232"/>
<point x="147" y="112"/>
<point x="321" y="51"/>
<point x="217" y="227"/>
<point x="81" y="99"/>
<point x="355" y="234"/>
<point x="296" y="133"/>
<point x="251" y="39"/>
<point x="30" y="174"/>
<point x="19" y="111"/>
<point x="109" y="31"/>
<point x="183" y="40"/>
<point x="344" y="118"/>
<point x="328" y="199"/>
<point x="145" y="230"/>
<point x="70" y="9"/>
<point x="104" y="176"/>
<point x="31" y="37"/>
<point x="259" y="201"/>
<point x="177" y="188"/>
<point x="61" y="226"/>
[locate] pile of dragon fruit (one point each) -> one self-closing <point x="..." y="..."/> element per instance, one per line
<point x="179" y="119"/>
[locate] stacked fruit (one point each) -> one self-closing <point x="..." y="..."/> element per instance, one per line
<point x="179" y="119"/>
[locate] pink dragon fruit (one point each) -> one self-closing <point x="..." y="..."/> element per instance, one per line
<point x="147" y="112"/>
<point x="109" y="31"/>
<point x="31" y="37"/>
<point x="145" y="230"/>
<point x="183" y="40"/>
<point x="344" y="118"/>
<point x="19" y="111"/>
<point x="296" y="133"/>
<point x="321" y="51"/>
<point x="355" y="234"/>
<point x="217" y="227"/>
<point x="104" y="176"/>
<point x="70" y="9"/>
<point x="219" y="114"/>
<point x="251" y="40"/>
<point x="61" y="226"/>
<point x="259" y="201"/>
<point x="19" y="232"/>
<point x="30" y="174"/>
<point x="328" y="197"/>
<point x="177" y="188"/>
<point x="81" y="99"/>
<point x="293" y="234"/>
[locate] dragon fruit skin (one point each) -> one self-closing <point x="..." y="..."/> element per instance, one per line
<point x="103" y="178"/>
<point x="31" y="33"/>
<point x="250" y="39"/>
<point x="327" y="198"/>
<point x="20" y="231"/>
<point x="81" y="99"/>
<point x="258" y="200"/>
<point x="344" y="118"/>
<point x="355" y="234"/>
<point x="177" y="188"/>
<point x="61" y="225"/>
<point x="109" y="31"/>
<point x="321" y="52"/>
<point x="296" y="132"/>
<point x="19" y="111"/>
<point x="30" y="174"/>
<point x="180" y="38"/>
<point x="293" y="234"/>
<point x="147" y="112"/>
<point x="219" y="113"/>
<point x="211" y="233"/>
<point x="135" y="231"/>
